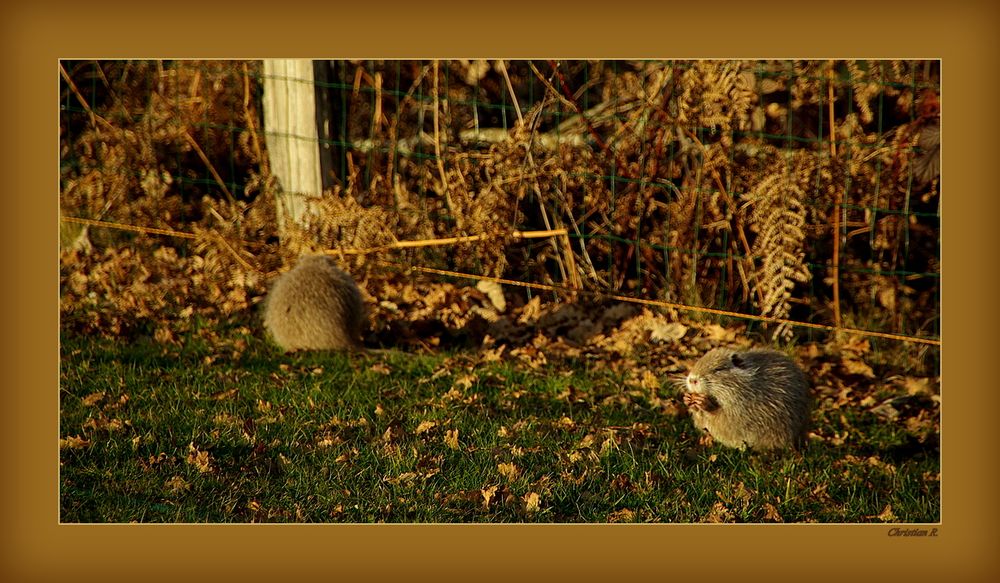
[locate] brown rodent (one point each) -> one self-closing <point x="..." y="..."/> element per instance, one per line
<point x="315" y="306"/>
<point x="755" y="398"/>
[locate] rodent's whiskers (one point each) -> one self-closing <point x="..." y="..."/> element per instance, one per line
<point x="679" y="381"/>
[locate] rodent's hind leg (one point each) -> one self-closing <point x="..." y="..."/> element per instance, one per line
<point x="798" y="445"/>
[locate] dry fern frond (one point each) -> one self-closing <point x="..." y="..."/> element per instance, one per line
<point x="718" y="95"/>
<point x="865" y="86"/>
<point x="337" y="220"/>
<point x="779" y="218"/>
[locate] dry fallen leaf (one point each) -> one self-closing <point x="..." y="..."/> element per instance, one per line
<point x="453" y="394"/>
<point x="810" y="351"/>
<point x="509" y="471"/>
<point x="176" y="485"/>
<point x="875" y="462"/>
<point x="649" y="380"/>
<point x="425" y="426"/>
<point x="224" y="394"/>
<point x="886" y="410"/>
<point x="154" y="460"/>
<point x="405" y="477"/>
<point x="917" y="386"/>
<point x="887" y="515"/>
<point x="921" y="425"/>
<point x="623" y="515"/>
<point x="93" y="398"/>
<point x="718" y="513"/>
<point x="73" y="442"/>
<point x="662" y="331"/>
<point x="720" y="333"/>
<point x="586" y="442"/>
<point x="532" y="502"/>
<point x="771" y="513"/>
<point x="102" y="423"/>
<point x="887" y="297"/>
<point x="465" y="381"/>
<point x="201" y="460"/>
<point x="531" y="311"/>
<point x="493" y="354"/>
<point x="857" y="344"/>
<point x="857" y="367"/>
<point x="488" y="494"/>
<point x="381" y="368"/>
<point x="451" y="438"/>
<point x="494" y="292"/>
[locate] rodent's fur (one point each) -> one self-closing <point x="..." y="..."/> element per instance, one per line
<point x="755" y="398"/>
<point x="315" y="306"/>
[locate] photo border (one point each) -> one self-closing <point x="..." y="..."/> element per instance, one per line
<point x="34" y="546"/>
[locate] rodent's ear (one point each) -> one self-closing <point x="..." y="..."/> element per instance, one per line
<point x="736" y="360"/>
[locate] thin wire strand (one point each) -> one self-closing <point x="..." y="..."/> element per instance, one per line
<point x="120" y="226"/>
<point x="541" y="286"/>
<point x="659" y="303"/>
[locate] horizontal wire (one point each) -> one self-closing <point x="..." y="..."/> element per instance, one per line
<point x="659" y="303"/>
<point x="543" y="286"/>
<point x="109" y="225"/>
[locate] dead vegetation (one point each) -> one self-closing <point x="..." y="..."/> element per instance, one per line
<point x="711" y="183"/>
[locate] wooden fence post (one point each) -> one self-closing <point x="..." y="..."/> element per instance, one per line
<point x="290" y="131"/>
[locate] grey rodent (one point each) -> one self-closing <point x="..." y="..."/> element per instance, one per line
<point x="315" y="306"/>
<point x="755" y="398"/>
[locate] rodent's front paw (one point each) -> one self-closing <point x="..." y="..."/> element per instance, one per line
<point x="695" y="401"/>
<point x="700" y="402"/>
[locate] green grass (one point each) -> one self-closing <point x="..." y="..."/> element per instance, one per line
<point x="348" y="438"/>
